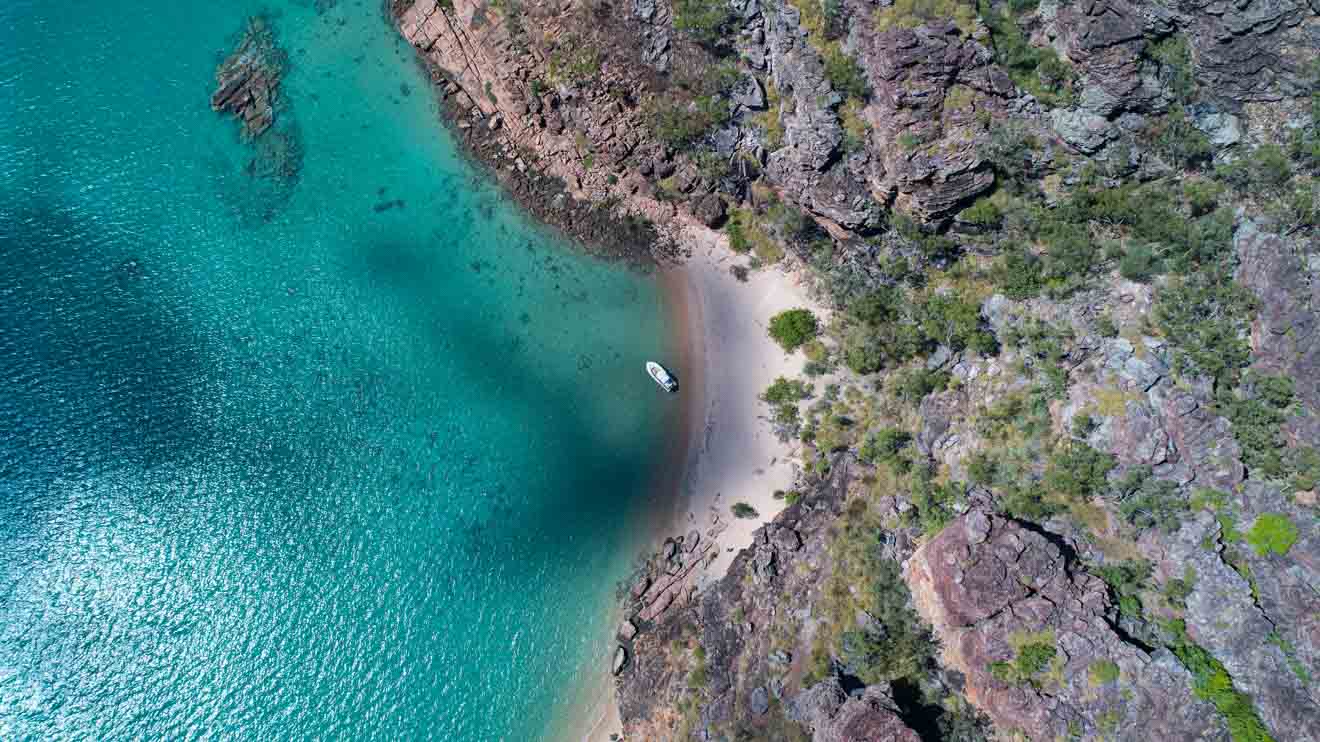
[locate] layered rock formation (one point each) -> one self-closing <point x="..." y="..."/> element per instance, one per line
<point x="248" y="81"/>
<point x="987" y="583"/>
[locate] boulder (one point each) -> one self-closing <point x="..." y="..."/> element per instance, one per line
<point x="710" y="209"/>
<point x="748" y="93"/>
<point x="786" y="539"/>
<point x="620" y="660"/>
<point x="1223" y="129"/>
<point x="1204" y="440"/>
<point x="990" y="585"/>
<point x="627" y="630"/>
<point x="1083" y="129"/>
<point x="759" y="701"/>
<point x="1285" y="336"/>
<point x="871" y="716"/>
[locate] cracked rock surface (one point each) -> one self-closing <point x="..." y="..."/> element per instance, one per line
<point x="985" y="580"/>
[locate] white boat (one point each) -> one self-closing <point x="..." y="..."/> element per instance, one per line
<point x="661" y="376"/>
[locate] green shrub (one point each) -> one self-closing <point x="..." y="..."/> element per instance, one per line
<point x="1032" y="656"/>
<point x="743" y="510"/>
<point x="950" y="320"/>
<point x="793" y="328"/>
<point x="934" y="504"/>
<point x="913" y="13"/>
<point x="1175" y="59"/>
<point x="1126" y="581"/>
<point x="1202" y="195"/>
<point x="1139" y="263"/>
<point x="1206" y="315"/>
<point x="703" y="20"/>
<point x="1258" y="422"/>
<point x="863" y="350"/>
<point x="843" y="72"/>
<point x="1265" y="168"/>
<point x="1010" y="146"/>
<point x="886" y="446"/>
<point x="680" y="122"/>
<point x="1211" y="682"/>
<point x="1178" y="589"/>
<point x="983" y="213"/>
<point x="574" y="61"/>
<point x="1077" y="471"/>
<point x="1290" y="656"/>
<point x="912" y="385"/>
<point x="895" y="645"/>
<point x="783" y="390"/>
<point x="1105" y="326"/>
<point x="1037" y="70"/>
<point x="1180" y="141"/>
<point x="1155" y="504"/>
<point x="1018" y="274"/>
<point x="1304" y="461"/>
<point x="1272" y="533"/>
<point x="1102" y="672"/>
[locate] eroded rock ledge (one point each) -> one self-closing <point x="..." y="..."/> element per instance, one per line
<point x="992" y="587"/>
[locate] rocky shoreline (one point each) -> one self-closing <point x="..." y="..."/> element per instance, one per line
<point x="482" y="129"/>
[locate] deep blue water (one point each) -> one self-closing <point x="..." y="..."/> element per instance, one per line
<point x="351" y="455"/>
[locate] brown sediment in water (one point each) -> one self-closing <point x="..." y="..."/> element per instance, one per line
<point x="687" y="342"/>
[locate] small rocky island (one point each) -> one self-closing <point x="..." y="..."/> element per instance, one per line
<point x="248" y="81"/>
<point x="248" y="87"/>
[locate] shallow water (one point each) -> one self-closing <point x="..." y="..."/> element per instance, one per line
<point x="351" y="456"/>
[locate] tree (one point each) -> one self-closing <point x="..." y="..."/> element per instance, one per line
<point x="793" y="328"/>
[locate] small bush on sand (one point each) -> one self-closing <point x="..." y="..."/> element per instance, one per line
<point x="793" y="328"/>
<point x="743" y="510"/>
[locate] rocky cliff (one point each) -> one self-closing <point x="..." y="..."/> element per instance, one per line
<point x="1060" y="443"/>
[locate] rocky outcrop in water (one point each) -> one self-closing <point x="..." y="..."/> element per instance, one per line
<point x="248" y="87"/>
<point x="248" y="81"/>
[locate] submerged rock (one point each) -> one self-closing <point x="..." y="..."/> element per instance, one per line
<point x="248" y="81"/>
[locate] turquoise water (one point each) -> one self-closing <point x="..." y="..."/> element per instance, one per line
<point x="292" y="462"/>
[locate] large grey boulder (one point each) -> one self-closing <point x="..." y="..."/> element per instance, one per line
<point x="1083" y="129"/>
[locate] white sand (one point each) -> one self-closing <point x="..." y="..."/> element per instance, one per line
<point x="732" y="454"/>
<point x="725" y="451"/>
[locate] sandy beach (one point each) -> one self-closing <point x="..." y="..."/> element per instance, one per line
<point x="722" y="450"/>
<point x="729" y="453"/>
